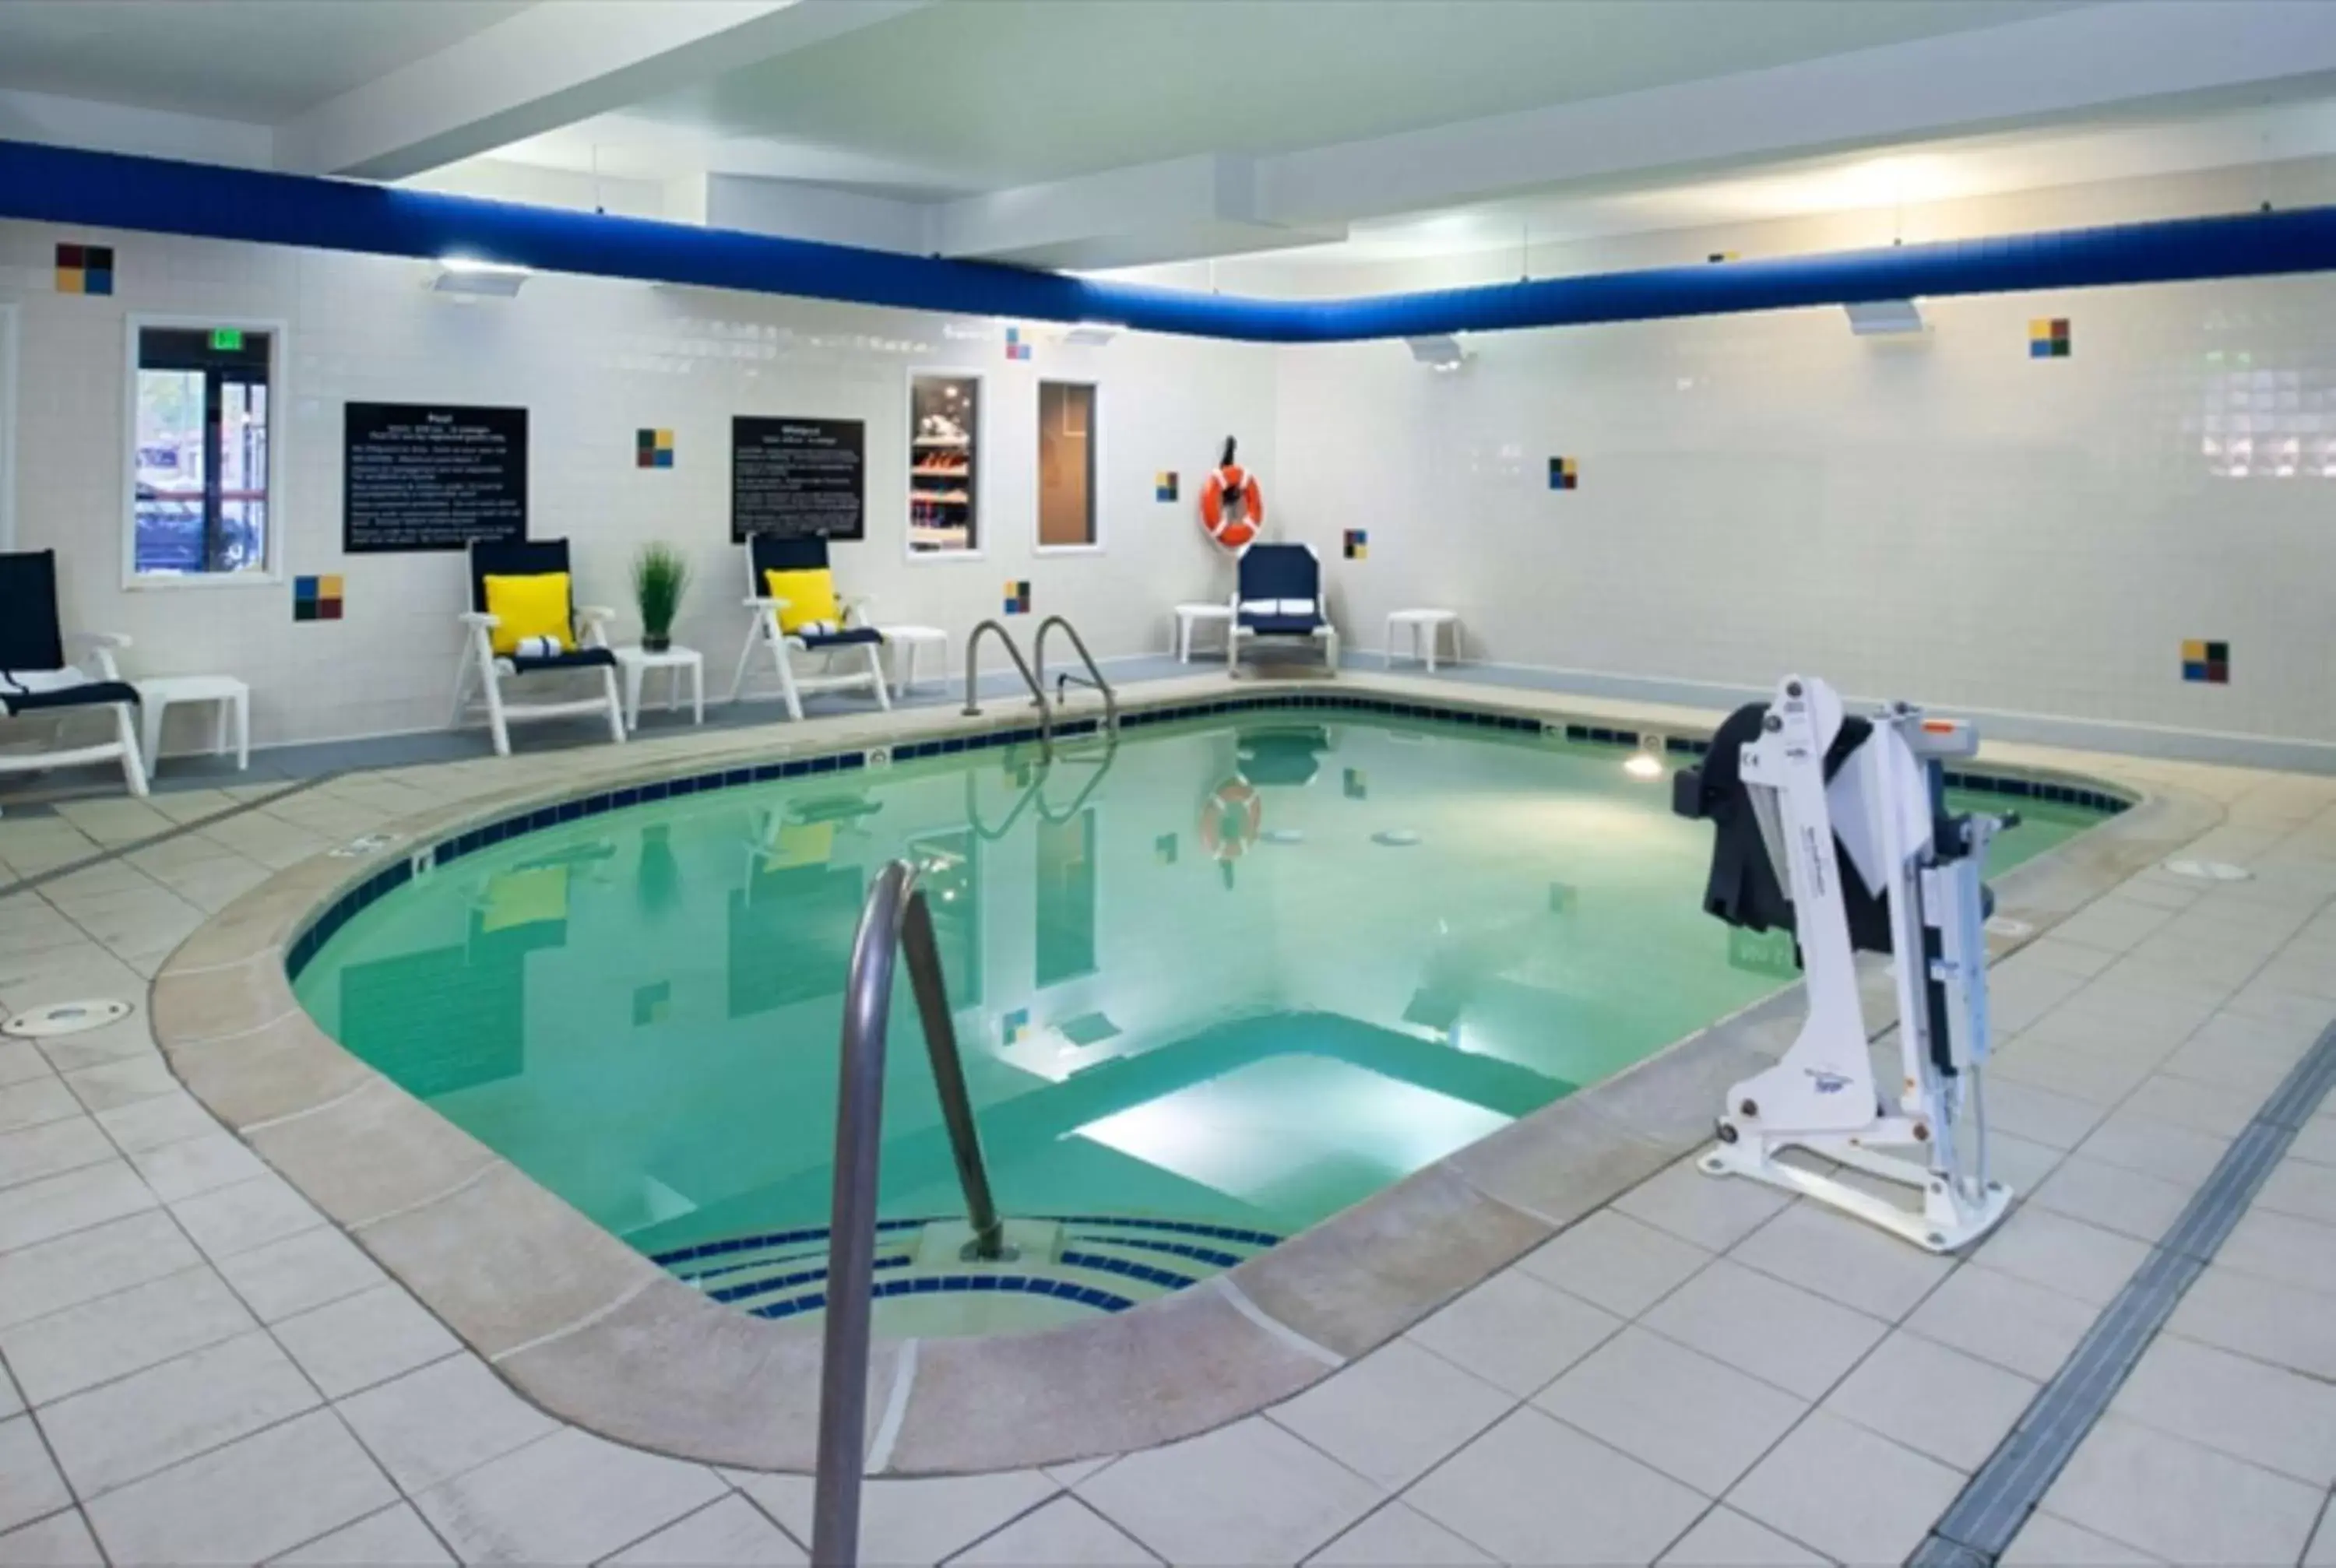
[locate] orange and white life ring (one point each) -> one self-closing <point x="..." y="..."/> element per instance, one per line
<point x="1232" y="504"/>
<point x="1231" y="819"/>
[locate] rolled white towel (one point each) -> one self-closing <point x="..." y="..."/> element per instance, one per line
<point x="539" y="648"/>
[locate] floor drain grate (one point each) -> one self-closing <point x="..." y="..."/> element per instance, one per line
<point x="64" y="1018"/>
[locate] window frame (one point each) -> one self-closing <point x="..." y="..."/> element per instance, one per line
<point x="271" y="572"/>
<point x="11" y="326"/>
<point x="1095" y="464"/>
<point x="977" y="452"/>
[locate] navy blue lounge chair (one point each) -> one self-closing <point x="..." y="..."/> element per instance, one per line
<point x="1279" y="597"/>
<point x="839" y="640"/>
<point x="35" y="678"/>
<point x="484" y="670"/>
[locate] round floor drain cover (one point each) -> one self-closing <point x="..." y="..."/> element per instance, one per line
<point x="1395" y="838"/>
<point x="2005" y="926"/>
<point x="2209" y="871"/>
<point x="64" y="1018"/>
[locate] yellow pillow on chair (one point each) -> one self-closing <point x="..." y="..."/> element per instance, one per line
<point x="526" y="606"/>
<point x="806" y="597"/>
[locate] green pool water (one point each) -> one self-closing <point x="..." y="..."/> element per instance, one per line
<point x="1433" y="932"/>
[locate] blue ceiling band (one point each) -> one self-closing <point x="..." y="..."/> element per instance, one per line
<point x="111" y="190"/>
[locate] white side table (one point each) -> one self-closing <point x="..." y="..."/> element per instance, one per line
<point x="637" y="663"/>
<point x="1189" y="616"/>
<point x="1427" y="626"/>
<point x="156" y="697"/>
<point x="904" y="641"/>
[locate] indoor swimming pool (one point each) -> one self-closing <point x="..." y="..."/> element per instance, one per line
<point x="1213" y="983"/>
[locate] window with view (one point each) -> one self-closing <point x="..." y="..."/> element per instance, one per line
<point x="200" y="469"/>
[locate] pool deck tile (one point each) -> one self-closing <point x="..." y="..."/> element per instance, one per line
<point x="2131" y="1002"/>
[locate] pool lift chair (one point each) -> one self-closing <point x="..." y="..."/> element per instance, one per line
<point x="1834" y="827"/>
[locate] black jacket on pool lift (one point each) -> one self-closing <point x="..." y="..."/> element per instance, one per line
<point x="1743" y="889"/>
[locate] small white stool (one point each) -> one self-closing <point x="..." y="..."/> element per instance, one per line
<point x="904" y="641"/>
<point x="156" y="697"/>
<point x="1427" y="626"/>
<point x="637" y="663"/>
<point x="1189" y="616"/>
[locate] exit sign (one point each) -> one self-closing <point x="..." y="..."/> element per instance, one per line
<point x="227" y="339"/>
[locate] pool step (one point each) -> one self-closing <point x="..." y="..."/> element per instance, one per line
<point x="1089" y="1262"/>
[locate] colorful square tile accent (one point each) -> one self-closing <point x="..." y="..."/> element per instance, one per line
<point x="84" y="269"/>
<point x="1718" y="255"/>
<point x="2048" y="337"/>
<point x="1016" y="1026"/>
<point x="1017" y="597"/>
<point x="1358" y="544"/>
<point x="2208" y="662"/>
<point x="1357" y="785"/>
<point x="1564" y="474"/>
<point x="1164" y="485"/>
<point x="653" y="449"/>
<point x="1163" y="849"/>
<point x="1016" y="345"/>
<point x="316" y="598"/>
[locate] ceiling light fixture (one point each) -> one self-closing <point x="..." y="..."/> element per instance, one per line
<point x="1091" y="334"/>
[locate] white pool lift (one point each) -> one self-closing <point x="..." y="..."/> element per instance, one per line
<point x="1854" y="848"/>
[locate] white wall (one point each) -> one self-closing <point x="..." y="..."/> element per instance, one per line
<point x="594" y="361"/>
<point x="1949" y="520"/>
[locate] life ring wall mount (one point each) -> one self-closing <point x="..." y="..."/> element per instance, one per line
<point x="1232" y="504"/>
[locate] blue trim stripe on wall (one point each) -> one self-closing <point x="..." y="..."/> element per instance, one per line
<point x="113" y="190"/>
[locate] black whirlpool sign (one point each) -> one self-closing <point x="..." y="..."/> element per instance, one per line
<point x="798" y="478"/>
<point x="427" y="476"/>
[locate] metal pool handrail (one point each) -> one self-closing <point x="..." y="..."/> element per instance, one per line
<point x="1094" y="674"/>
<point x="896" y="917"/>
<point x="973" y="674"/>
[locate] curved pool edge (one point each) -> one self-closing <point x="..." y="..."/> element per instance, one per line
<point x="592" y="1331"/>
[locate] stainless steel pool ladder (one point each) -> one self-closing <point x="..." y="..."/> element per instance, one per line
<point x="895" y="918"/>
<point x="1037" y="682"/>
<point x="973" y="677"/>
<point x="1094" y="677"/>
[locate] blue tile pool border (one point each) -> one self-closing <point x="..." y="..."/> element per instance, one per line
<point x="558" y="813"/>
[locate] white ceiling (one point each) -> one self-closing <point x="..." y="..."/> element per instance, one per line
<point x="971" y="95"/>
<point x="246" y="60"/>
<point x="1095" y="133"/>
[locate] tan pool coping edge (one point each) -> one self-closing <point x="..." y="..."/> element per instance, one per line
<point x="593" y="1331"/>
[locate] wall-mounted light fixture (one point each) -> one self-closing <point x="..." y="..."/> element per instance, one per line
<point x="1887" y="318"/>
<point x="1442" y="352"/>
<point x="1090" y="333"/>
<point x="468" y="275"/>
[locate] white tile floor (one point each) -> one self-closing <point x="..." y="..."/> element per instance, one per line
<point x="199" y="1368"/>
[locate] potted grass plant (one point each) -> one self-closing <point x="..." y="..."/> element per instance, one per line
<point x="660" y="577"/>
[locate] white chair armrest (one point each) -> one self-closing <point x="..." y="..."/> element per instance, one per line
<point x="855" y="607"/>
<point x="759" y="601"/>
<point x="594" y="612"/>
<point x="99" y="646"/>
<point x="481" y="619"/>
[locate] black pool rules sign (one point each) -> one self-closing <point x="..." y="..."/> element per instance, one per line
<point x="430" y="476"/>
<point x="798" y="478"/>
